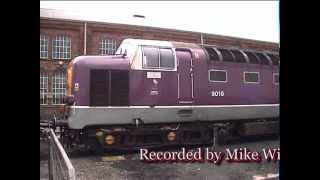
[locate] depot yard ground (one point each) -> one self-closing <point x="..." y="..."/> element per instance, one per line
<point x="129" y="166"/>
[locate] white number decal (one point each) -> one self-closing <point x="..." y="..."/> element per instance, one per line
<point x="154" y="75"/>
<point x="217" y="93"/>
<point x="76" y="86"/>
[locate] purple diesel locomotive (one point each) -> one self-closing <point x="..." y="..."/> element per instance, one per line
<point x="154" y="93"/>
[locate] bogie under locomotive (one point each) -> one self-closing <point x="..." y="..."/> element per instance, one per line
<point x="160" y="92"/>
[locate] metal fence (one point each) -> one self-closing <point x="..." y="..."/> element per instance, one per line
<point x="60" y="167"/>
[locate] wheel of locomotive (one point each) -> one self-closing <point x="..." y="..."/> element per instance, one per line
<point x="93" y="146"/>
<point x="223" y="134"/>
<point x="206" y="134"/>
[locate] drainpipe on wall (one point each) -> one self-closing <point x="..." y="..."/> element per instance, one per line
<point x="85" y="39"/>
<point x="201" y="39"/>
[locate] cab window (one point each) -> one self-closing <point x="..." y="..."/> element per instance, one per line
<point x="166" y="58"/>
<point x="157" y="57"/>
<point x="150" y="57"/>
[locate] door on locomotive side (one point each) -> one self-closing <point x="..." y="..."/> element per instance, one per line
<point x="275" y="58"/>
<point x="185" y="76"/>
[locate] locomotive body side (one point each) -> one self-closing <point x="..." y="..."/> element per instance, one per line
<point x="182" y="93"/>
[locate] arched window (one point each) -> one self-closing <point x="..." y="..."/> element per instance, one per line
<point x="58" y="87"/>
<point x="43" y="46"/>
<point x="107" y="46"/>
<point x="61" y="47"/>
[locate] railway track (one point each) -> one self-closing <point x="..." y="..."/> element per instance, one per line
<point x="82" y="150"/>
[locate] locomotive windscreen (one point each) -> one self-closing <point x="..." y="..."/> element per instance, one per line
<point x="109" y="88"/>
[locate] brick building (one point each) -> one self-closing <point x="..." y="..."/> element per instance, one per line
<point x="64" y="37"/>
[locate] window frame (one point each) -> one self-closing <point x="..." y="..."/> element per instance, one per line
<point x="273" y="78"/>
<point x="221" y="70"/>
<point x="247" y="82"/>
<point x="159" y="60"/>
<point x="103" y="44"/>
<point x="44" y="95"/>
<point x="54" y="88"/>
<point x="169" y="68"/>
<point x="46" y="39"/>
<point x="67" y="37"/>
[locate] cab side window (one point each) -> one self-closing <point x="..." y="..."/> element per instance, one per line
<point x="155" y="57"/>
<point x="166" y="58"/>
<point x="150" y="57"/>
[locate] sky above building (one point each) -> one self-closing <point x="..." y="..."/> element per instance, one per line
<point x="257" y="20"/>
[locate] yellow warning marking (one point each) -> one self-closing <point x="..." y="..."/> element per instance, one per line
<point x="172" y="136"/>
<point x="113" y="158"/>
<point x="109" y="139"/>
<point x="99" y="133"/>
<point x="268" y="177"/>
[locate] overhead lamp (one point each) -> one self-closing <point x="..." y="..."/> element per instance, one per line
<point x="139" y="16"/>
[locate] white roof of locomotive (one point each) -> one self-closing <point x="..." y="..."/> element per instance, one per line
<point x="139" y="42"/>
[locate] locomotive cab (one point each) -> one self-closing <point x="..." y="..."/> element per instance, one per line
<point x="104" y="80"/>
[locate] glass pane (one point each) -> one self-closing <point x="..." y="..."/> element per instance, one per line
<point x="218" y="76"/>
<point x="166" y="58"/>
<point x="69" y="43"/>
<point x="151" y="57"/>
<point x="251" y="77"/>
